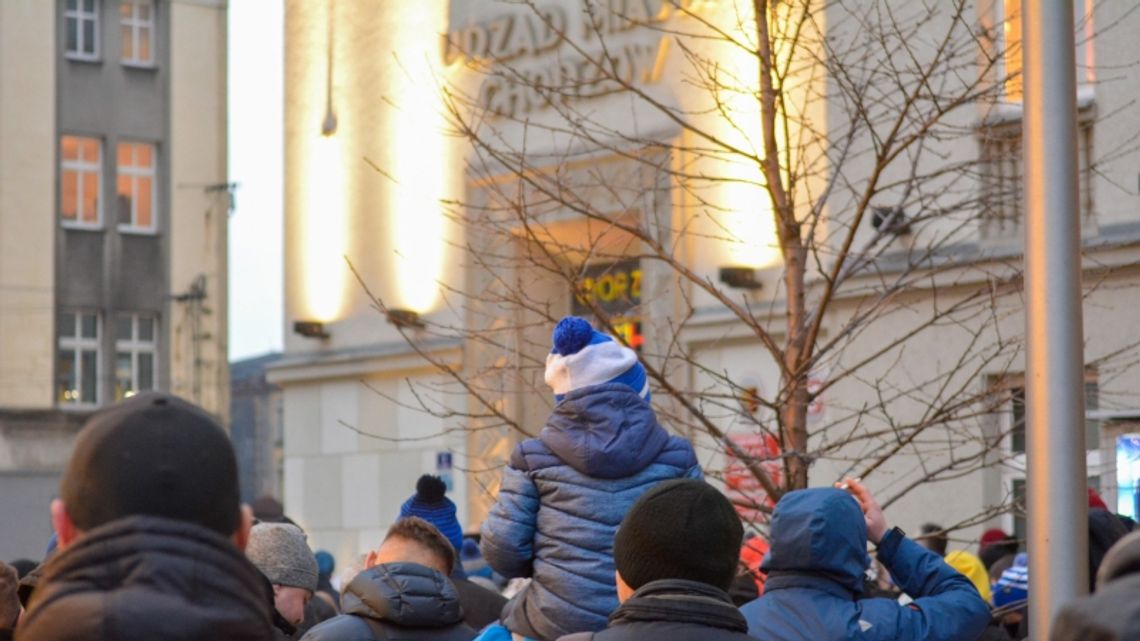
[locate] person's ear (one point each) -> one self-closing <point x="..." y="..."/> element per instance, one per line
<point x="370" y="559"/>
<point x="623" y="590"/>
<point x="65" y="531"/>
<point x="245" y="523"/>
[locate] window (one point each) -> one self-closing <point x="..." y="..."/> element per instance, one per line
<point x="135" y="343"/>
<point x="78" y="361"/>
<point x="80" y="181"/>
<point x="135" y="186"/>
<point x="1002" y="168"/>
<point x="136" y="18"/>
<point x="1012" y="416"/>
<point x="81" y="27"/>
<point x="1010" y="46"/>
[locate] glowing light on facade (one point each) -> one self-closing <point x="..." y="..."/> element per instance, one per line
<point x="416" y="129"/>
<point x="325" y="227"/>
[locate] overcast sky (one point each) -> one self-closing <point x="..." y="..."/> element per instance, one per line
<point x="255" y="163"/>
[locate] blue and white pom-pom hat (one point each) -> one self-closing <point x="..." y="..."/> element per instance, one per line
<point x="583" y="356"/>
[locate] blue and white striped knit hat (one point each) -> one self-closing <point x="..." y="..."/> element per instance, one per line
<point x="1013" y="586"/>
<point x="583" y="356"/>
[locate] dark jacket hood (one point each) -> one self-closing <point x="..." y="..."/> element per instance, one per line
<point x="819" y="531"/>
<point x="604" y="431"/>
<point x="1122" y="560"/>
<point x="405" y="594"/>
<point x="149" y="577"/>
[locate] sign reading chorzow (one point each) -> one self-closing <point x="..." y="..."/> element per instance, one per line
<point x="536" y="56"/>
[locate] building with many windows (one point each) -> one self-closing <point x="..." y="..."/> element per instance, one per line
<point x="458" y="260"/>
<point x="113" y="210"/>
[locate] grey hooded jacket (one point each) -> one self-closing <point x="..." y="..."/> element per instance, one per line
<point x="403" y="600"/>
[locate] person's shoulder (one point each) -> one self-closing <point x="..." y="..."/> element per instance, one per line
<point x="343" y="627"/>
<point x="532" y="454"/>
<point x="678" y="452"/>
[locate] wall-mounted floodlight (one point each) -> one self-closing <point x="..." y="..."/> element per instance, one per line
<point x="740" y="277"/>
<point x="310" y="329"/>
<point x="404" y="318"/>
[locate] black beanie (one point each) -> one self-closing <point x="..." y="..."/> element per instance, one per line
<point x="152" y="454"/>
<point x="680" y="529"/>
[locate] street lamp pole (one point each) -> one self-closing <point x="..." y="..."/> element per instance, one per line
<point x="1056" y="493"/>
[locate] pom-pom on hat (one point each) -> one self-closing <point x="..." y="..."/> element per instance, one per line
<point x="582" y="356"/>
<point x="430" y="504"/>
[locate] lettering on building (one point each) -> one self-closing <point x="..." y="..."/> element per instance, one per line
<point x="563" y="52"/>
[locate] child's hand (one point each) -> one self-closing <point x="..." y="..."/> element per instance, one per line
<point x="872" y="513"/>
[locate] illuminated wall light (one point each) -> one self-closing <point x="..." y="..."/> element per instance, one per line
<point x="325" y="273"/>
<point x="748" y="219"/>
<point x="417" y="133"/>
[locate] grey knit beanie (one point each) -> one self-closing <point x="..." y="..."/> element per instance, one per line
<point x="282" y="554"/>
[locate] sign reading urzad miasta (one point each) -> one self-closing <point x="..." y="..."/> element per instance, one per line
<point x="565" y="51"/>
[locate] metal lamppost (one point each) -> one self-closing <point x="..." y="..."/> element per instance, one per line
<point x="1056" y="499"/>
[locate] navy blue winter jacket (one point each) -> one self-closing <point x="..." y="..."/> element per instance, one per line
<point x="815" y="572"/>
<point x="562" y="498"/>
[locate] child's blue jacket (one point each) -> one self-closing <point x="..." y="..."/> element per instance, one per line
<point x="562" y="498"/>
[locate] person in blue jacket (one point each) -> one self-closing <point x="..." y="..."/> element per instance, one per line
<point x="564" y="493"/>
<point x="816" y="565"/>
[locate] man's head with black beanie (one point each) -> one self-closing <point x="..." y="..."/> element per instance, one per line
<point x="680" y="529"/>
<point x="153" y="454"/>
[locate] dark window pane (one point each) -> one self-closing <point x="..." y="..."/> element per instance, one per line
<point x="1020" y="526"/>
<point x="88" y="37"/>
<point x="1018" y="409"/>
<point x="65" y="366"/>
<point x="89" y="6"/>
<point x="146" y="372"/>
<point x="67" y="324"/>
<point x="123" y="385"/>
<point x="72" y="35"/>
<point x="146" y="328"/>
<point x="89" y="326"/>
<point x="72" y="5"/>
<point x="123" y="328"/>
<point x="1092" y="426"/>
<point x="88" y="377"/>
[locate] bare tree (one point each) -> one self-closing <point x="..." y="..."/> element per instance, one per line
<point x="646" y="141"/>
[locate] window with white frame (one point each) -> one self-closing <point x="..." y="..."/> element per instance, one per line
<point x="77" y="366"/>
<point x="135" y="354"/>
<point x="1011" y="422"/>
<point x="1001" y="171"/>
<point x="135" y="186"/>
<point x="81" y="29"/>
<point x="80" y="181"/>
<point x="136" y="20"/>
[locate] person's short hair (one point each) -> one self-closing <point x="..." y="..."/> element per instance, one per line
<point x="933" y="537"/>
<point x="428" y="536"/>
<point x="9" y="600"/>
<point x="152" y="454"/>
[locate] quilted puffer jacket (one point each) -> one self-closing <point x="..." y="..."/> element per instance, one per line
<point x="562" y="498"/>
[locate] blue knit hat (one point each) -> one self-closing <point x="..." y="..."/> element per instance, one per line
<point x="430" y="504"/>
<point x="583" y="356"/>
<point x="1013" y="586"/>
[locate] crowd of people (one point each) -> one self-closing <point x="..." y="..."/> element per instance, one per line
<point x="603" y="529"/>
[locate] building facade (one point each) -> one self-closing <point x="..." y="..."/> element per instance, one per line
<point x="459" y="183"/>
<point x="112" y="223"/>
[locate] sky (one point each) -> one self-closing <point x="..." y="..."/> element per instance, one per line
<point x="256" y="163"/>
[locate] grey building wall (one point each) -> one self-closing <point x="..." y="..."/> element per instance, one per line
<point x="103" y="269"/>
<point x="40" y="442"/>
<point x="256" y="427"/>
